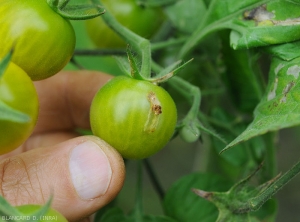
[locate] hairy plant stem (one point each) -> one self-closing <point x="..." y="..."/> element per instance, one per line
<point x="140" y="45"/>
<point x="255" y="203"/>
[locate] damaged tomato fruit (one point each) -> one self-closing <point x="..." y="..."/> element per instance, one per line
<point x="136" y="117"/>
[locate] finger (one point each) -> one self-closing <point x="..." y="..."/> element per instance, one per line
<point x="41" y="140"/>
<point x="83" y="174"/>
<point x="65" y="99"/>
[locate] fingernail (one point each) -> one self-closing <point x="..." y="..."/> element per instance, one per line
<point x="90" y="170"/>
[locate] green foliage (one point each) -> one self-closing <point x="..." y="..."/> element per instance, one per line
<point x="183" y="205"/>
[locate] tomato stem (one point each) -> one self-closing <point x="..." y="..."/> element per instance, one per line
<point x="256" y="202"/>
<point x="138" y="210"/>
<point x="139" y="44"/>
<point x="153" y="178"/>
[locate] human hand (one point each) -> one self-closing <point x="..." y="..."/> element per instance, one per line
<point x="83" y="173"/>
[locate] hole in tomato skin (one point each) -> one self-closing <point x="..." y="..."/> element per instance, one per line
<point x="154" y="113"/>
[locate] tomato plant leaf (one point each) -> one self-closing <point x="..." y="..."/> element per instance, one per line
<point x="185" y="15"/>
<point x="284" y="51"/>
<point x="279" y="107"/>
<point x="271" y="23"/>
<point x="10" y="114"/>
<point x="242" y="75"/>
<point x="182" y="204"/>
<point x="116" y="214"/>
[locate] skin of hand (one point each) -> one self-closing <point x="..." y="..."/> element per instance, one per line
<point x="83" y="173"/>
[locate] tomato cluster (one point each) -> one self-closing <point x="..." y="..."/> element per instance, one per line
<point x="42" y="43"/>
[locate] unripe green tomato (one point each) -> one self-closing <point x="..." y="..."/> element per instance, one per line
<point x="136" y="117"/>
<point x="144" y="21"/>
<point x="52" y="215"/>
<point x="17" y="91"/>
<point x="189" y="135"/>
<point x="43" y="41"/>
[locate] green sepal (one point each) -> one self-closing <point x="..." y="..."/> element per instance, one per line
<point x="123" y="64"/>
<point x="41" y="212"/>
<point x="134" y="69"/>
<point x="5" y="62"/>
<point x="11" y="114"/>
<point x="7" y="210"/>
<point x="76" y="12"/>
<point x="168" y="72"/>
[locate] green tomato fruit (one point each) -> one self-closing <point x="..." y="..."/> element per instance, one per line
<point x="136" y="117"/>
<point x="52" y="215"/>
<point x="144" y="21"/>
<point x="189" y="134"/>
<point x="18" y="92"/>
<point x="43" y="41"/>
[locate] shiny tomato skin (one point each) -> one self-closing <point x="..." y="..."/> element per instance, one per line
<point x="43" y="41"/>
<point x="17" y="91"/>
<point x="52" y="215"/>
<point x="144" y="21"/>
<point x="124" y="114"/>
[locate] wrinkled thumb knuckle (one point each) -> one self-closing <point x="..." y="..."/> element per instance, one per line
<point x="17" y="181"/>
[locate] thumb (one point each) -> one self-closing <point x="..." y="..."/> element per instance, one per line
<point x="83" y="174"/>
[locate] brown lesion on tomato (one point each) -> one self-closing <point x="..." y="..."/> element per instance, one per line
<point x="154" y="113"/>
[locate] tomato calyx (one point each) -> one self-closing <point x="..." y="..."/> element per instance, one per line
<point x="131" y="68"/>
<point x="76" y="12"/>
<point x="12" y="212"/>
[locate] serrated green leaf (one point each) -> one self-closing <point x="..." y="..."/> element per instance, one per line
<point x="280" y="106"/>
<point x="284" y="51"/>
<point x="225" y="8"/>
<point x="272" y="23"/>
<point x="13" y="115"/>
<point x="182" y="204"/>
